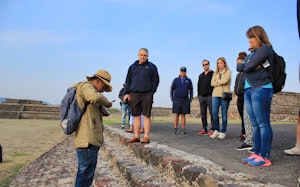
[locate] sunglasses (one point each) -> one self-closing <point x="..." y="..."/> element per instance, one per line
<point x="204" y="64"/>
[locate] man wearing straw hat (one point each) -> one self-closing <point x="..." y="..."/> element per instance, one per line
<point x="89" y="136"/>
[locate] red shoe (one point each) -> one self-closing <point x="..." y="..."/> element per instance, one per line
<point x="242" y="136"/>
<point x="134" y="139"/>
<point x="145" y="140"/>
<point x="210" y="133"/>
<point x="202" y="132"/>
<point x="130" y="131"/>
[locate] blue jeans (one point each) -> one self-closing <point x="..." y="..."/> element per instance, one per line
<point x="258" y="105"/>
<point x="87" y="162"/>
<point x="218" y="102"/>
<point x="125" y="110"/>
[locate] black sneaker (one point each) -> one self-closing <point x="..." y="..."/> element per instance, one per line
<point x="251" y="150"/>
<point x="181" y="131"/>
<point x="244" y="146"/>
<point x="175" y="131"/>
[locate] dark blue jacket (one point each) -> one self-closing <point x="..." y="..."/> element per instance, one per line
<point x="181" y="90"/>
<point x="256" y="75"/>
<point x="142" y="78"/>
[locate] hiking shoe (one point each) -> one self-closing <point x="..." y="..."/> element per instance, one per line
<point x="242" y="137"/>
<point x="294" y="151"/>
<point x="244" y="146"/>
<point x="202" y="132"/>
<point x="210" y="133"/>
<point x="260" y="161"/>
<point x="181" y="131"/>
<point x="215" y="134"/>
<point x="248" y="159"/>
<point x="175" y="131"/>
<point x="221" y="136"/>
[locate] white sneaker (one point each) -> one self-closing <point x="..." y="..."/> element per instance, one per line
<point x="215" y="134"/>
<point x="221" y="136"/>
<point x="294" y="151"/>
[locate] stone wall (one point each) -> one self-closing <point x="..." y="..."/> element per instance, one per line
<point x="285" y="107"/>
<point x="28" y="109"/>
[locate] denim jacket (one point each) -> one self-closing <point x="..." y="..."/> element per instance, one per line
<point x="256" y="75"/>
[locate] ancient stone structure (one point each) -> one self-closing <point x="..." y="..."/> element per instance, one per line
<point x="27" y="109"/>
<point x="285" y="107"/>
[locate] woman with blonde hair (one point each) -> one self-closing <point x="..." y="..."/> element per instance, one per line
<point x="258" y="94"/>
<point x="221" y="82"/>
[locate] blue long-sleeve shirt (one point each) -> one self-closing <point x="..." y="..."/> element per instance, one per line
<point x="181" y="89"/>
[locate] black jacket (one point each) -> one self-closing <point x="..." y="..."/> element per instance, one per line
<point x="204" y="86"/>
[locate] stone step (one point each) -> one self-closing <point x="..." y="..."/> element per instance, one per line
<point x="186" y="169"/>
<point x="135" y="170"/>
<point x="29" y="111"/>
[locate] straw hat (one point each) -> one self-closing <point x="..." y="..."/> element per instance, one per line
<point x="104" y="76"/>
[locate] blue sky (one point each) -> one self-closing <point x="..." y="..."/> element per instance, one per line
<point x="46" y="45"/>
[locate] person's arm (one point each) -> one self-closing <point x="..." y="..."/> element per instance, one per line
<point x="155" y="79"/>
<point x="260" y="56"/>
<point x="172" y="88"/>
<point x="191" y="91"/>
<point x="214" y="81"/>
<point x="225" y="78"/>
<point x="240" y="67"/>
<point x="198" y="85"/>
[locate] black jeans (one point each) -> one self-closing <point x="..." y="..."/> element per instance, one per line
<point x="205" y="102"/>
<point x="240" y="106"/>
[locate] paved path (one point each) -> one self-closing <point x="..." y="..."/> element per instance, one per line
<point x="117" y="165"/>
<point x="285" y="169"/>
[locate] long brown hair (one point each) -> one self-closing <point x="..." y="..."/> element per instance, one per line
<point x="225" y="64"/>
<point x="260" y="34"/>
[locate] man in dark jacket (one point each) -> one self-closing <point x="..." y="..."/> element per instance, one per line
<point x="204" y="95"/>
<point x="181" y="94"/>
<point x="141" y="83"/>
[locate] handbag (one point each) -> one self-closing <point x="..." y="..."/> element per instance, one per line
<point x="227" y="96"/>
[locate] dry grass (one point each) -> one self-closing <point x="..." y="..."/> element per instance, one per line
<point x="23" y="141"/>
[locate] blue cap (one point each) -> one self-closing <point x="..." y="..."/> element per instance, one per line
<point x="183" y="69"/>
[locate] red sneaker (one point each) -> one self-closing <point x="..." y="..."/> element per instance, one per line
<point x="210" y="133"/>
<point x="202" y="132"/>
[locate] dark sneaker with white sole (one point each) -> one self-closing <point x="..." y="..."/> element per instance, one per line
<point x="244" y="146"/>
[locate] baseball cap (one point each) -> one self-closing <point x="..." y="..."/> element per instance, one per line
<point x="183" y="69"/>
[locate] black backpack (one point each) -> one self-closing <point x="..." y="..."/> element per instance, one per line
<point x="239" y="84"/>
<point x="278" y="73"/>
